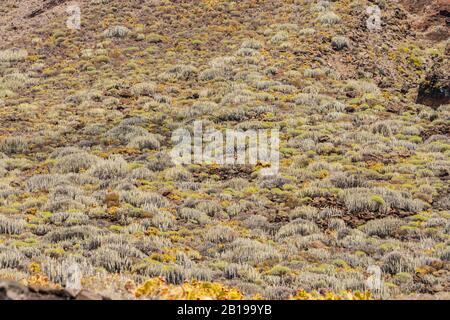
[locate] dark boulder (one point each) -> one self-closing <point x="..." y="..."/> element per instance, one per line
<point x="10" y="290"/>
<point x="435" y="90"/>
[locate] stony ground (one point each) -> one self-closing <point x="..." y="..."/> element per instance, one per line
<point x="85" y="135"/>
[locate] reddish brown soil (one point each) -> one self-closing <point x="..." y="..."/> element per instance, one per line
<point x="432" y="18"/>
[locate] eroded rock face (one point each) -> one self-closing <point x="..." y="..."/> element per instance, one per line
<point x="430" y="17"/>
<point x="435" y="90"/>
<point x="10" y="290"/>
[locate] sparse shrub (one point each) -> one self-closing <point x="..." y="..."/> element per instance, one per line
<point x="144" y="89"/>
<point x="121" y="244"/>
<point x="222" y="62"/>
<point x="13" y="55"/>
<point x="336" y="224"/>
<point x="211" y="73"/>
<point x="142" y="173"/>
<point x="66" y="192"/>
<point x="12" y="259"/>
<point x="384" y="128"/>
<point x="163" y="220"/>
<point x="149" y="141"/>
<point x="252" y="44"/>
<point x="340" y="42"/>
<point x="184" y="260"/>
<point x="279" y="37"/>
<point x="7" y="191"/>
<point x="278" y="293"/>
<point x="247" y="52"/>
<point x="16" y="81"/>
<point x="11" y="226"/>
<point x="134" y="121"/>
<point x="395" y="262"/>
<point x="41" y="230"/>
<point x="363" y="86"/>
<point x="237" y="183"/>
<point x="116" y="32"/>
<point x="271" y="182"/>
<point x="330" y="212"/>
<point x="221" y="234"/>
<point x="256" y="222"/>
<point x="307" y="99"/>
<point x="329" y="18"/>
<point x="445" y="255"/>
<point x="13" y="145"/>
<point x="279" y="270"/>
<point x="307" y="32"/>
<point x="233" y="114"/>
<point x="320" y="6"/>
<point x="152" y="244"/>
<point x="194" y="215"/>
<point x="436" y="222"/>
<point x="379" y="200"/>
<point x="201" y="274"/>
<point x="297" y="227"/>
<point x="304" y="212"/>
<point x="179" y="72"/>
<point x="284" y="88"/>
<point x="344" y="180"/>
<point x="79" y="233"/>
<point x="238" y="96"/>
<point x="400" y="200"/>
<point x="68" y="219"/>
<point x="124" y="132"/>
<point x="211" y="208"/>
<point x="114" y="167"/>
<point x="145" y="200"/>
<point x="3" y="171"/>
<point x="242" y="271"/>
<point x="314" y="73"/>
<point x="285" y="26"/>
<point x="201" y="108"/>
<point x="178" y="173"/>
<point x="359" y="202"/>
<point x="111" y="260"/>
<point x="46" y="182"/>
<point x="75" y="162"/>
<point x="382" y="227"/>
<point x="251" y="251"/>
<point x="57" y="270"/>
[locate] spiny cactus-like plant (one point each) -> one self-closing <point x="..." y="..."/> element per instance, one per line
<point x="11" y="225"/>
<point x="112" y="168"/>
<point x="382" y="227"/>
<point x="221" y="234"/>
<point x="395" y="262"/>
<point x="163" y="220"/>
<point x="12" y="259"/>
<point x="14" y="145"/>
<point x="75" y="162"/>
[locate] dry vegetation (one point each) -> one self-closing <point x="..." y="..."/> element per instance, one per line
<point x="86" y="119"/>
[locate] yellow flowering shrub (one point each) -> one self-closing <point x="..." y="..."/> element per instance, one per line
<point x="344" y="295"/>
<point x="194" y="290"/>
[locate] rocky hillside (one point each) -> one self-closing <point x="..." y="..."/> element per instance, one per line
<point x="358" y="90"/>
